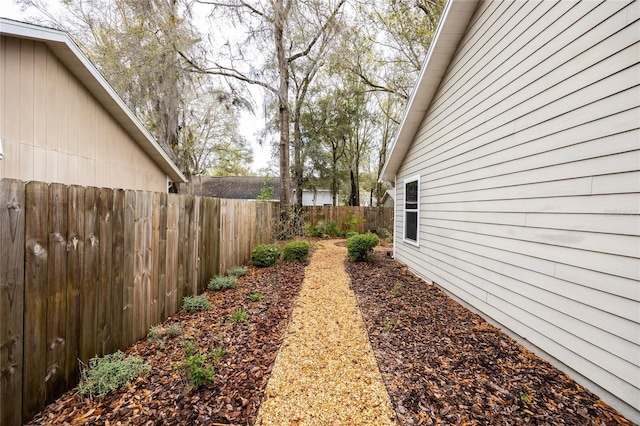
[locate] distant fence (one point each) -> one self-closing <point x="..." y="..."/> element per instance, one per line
<point x="87" y="271"/>
<point x="367" y="218"/>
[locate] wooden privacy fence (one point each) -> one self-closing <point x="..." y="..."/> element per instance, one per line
<point x="86" y="271"/>
<point x="368" y="218"/>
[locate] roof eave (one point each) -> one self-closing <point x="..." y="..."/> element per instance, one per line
<point x="72" y="57"/>
<point x="451" y="28"/>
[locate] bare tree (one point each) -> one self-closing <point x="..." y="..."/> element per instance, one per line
<point x="272" y="30"/>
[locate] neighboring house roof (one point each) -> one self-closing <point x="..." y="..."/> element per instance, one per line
<point x="452" y="26"/>
<point x="81" y="67"/>
<point x="234" y="187"/>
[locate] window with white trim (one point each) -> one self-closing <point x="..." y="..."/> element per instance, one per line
<point x="412" y="210"/>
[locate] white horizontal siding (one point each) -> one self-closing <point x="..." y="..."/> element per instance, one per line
<point x="529" y="158"/>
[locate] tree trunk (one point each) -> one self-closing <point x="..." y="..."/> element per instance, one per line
<point x="297" y="159"/>
<point x="283" y="105"/>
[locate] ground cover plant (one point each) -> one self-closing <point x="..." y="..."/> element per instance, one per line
<point x="443" y="364"/>
<point x="222" y="282"/>
<point x="240" y="357"/>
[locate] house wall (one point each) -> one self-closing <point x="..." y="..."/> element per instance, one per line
<point x="529" y="159"/>
<point x="316" y="198"/>
<point x="54" y="130"/>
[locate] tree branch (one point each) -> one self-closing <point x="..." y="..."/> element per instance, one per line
<point x="320" y="32"/>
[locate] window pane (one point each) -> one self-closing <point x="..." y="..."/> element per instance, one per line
<point x="411" y="226"/>
<point x="412" y="192"/>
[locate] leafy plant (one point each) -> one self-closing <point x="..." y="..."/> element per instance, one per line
<point x="110" y="372"/>
<point x="221" y="282"/>
<point x="397" y="290"/>
<point x="198" y="371"/>
<point x="383" y="232"/>
<point x="237" y="271"/>
<point x="239" y="315"/>
<point x="350" y="234"/>
<point x="196" y="303"/>
<point x="323" y="229"/>
<point x="155" y="332"/>
<point x="256" y="297"/>
<point x="527" y="399"/>
<point x="216" y="354"/>
<point x="359" y="246"/>
<point x="296" y="250"/>
<point x="350" y="222"/>
<point x="265" y="255"/>
<point x="174" y="329"/>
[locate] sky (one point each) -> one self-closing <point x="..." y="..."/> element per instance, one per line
<point x="250" y="124"/>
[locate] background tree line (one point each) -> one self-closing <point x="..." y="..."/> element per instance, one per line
<point x="335" y="77"/>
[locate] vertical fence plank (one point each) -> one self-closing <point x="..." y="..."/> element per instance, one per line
<point x="89" y="289"/>
<point x="162" y="257"/>
<point x="173" y="204"/>
<point x="154" y="318"/>
<point x="75" y="259"/>
<point x="147" y="266"/>
<point x="192" y="249"/>
<point x="57" y="285"/>
<point x="12" y="242"/>
<point x="211" y="232"/>
<point x="183" y="234"/>
<point x="128" y="267"/>
<point x="117" y="270"/>
<point x="105" y="250"/>
<point x="35" y="293"/>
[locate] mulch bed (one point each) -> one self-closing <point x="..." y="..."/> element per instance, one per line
<point x="164" y="397"/>
<point x="443" y="364"/>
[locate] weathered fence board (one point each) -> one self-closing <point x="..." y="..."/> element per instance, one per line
<point x="105" y="283"/>
<point x="117" y="269"/>
<point x="57" y="286"/>
<point x="12" y="242"/>
<point x="75" y="264"/>
<point x="98" y="267"/>
<point x="128" y="268"/>
<point x="364" y="218"/>
<point x="35" y="296"/>
<point x="89" y="285"/>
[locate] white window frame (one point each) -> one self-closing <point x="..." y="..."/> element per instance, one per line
<point x="416" y="210"/>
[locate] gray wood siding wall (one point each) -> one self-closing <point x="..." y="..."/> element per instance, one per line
<point x="529" y="158"/>
<point x="54" y="130"/>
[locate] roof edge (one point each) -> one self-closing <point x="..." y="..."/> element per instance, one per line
<point x="59" y="42"/>
<point x="453" y="23"/>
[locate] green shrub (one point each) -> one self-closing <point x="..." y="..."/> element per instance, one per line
<point x="296" y="250"/>
<point x="110" y="372"/>
<point x="350" y="222"/>
<point x="221" y="282"/>
<point x="323" y="230"/>
<point x="359" y="246"/>
<point x="350" y="234"/>
<point x="196" y="303"/>
<point x="237" y="271"/>
<point x="256" y="297"/>
<point x="265" y="255"/>
<point x="198" y="371"/>
<point x="383" y="233"/>
<point x="239" y="315"/>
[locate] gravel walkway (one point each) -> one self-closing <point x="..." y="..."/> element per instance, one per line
<point x="326" y="372"/>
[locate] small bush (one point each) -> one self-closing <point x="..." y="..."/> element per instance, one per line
<point x="222" y="283"/>
<point x="265" y="255"/>
<point x="359" y="246"/>
<point x="383" y="233"/>
<point x="196" y="303"/>
<point x="110" y="372"/>
<point x="216" y="354"/>
<point x="198" y="371"/>
<point x="350" y="234"/>
<point x="296" y="250"/>
<point x="174" y="330"/>
<point x="239" y="315"/>
<point x="323" y="230"/>
<point x="256" y="297"/>
<point x="237" y="271"/>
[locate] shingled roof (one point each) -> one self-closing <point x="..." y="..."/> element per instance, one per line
<point x="234" y="187"/>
